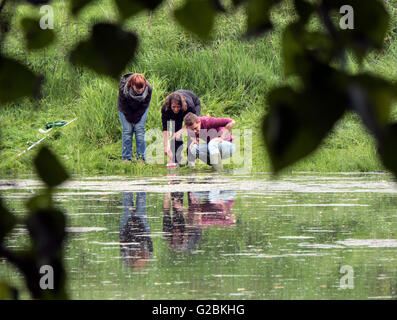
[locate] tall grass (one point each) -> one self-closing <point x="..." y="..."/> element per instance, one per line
<point x="231" y="76"/>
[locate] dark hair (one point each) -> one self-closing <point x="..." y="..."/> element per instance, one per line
<point x="190" y="119"/>
<point x="178" y="98"/>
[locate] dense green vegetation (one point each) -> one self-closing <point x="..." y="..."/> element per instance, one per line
<point x="230" y="75"/>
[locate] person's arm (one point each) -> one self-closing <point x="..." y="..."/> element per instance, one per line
<point x="167" y="150"/>
<point x="194" y="141"/>
<point x="165" y="131"/>
<point x="149" y="95"/>
<point x="227" y="124"/>
<point x="178" y="133"/>
<point x="228" y="129"/>
<point x="123" y="80"/>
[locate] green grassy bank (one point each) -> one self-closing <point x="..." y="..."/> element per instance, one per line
<point x="231" y="77"/>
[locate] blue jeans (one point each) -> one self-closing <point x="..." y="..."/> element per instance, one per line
<point x="139" y="212"/>
<point x="204" y="150"/>
<point x="128" y="133"/>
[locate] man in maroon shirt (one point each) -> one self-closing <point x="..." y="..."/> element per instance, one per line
<point x="216" y="134"/>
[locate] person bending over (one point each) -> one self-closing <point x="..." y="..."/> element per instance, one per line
<point x="215" y="132"/>
<point x="176" y="106"/>
<point x="133" y="102"/>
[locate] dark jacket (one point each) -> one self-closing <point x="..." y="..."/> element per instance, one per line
<point x="193" y="105"/>
<point x="132" y="109"/>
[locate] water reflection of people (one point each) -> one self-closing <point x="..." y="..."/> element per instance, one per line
<point x="180" y="234"/>
<point x="135" y="242"/>
<point x="184" y="228"/>
<point x="212" y="208"/>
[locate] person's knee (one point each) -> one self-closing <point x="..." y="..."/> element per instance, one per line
<point x="232" y="148"/>
<point x="140" y="132"/>
<point x="227" y="150"/>
<point x="213" y="147"/>
<point x="127" y="130"/>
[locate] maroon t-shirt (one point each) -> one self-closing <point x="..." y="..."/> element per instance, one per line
<point x="212" y="128"/>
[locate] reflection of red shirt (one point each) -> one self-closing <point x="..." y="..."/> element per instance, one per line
<point x="206" y="207"/>
<point x="217" y="125"/>
<point x="220" y="219"/>
<point x="218" y="215"/>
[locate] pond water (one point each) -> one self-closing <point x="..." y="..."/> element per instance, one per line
<point x="305" y="236"/>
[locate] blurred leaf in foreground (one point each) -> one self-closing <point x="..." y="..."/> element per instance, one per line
<point x="17" y="81"/>
<point x="38" y="2"/>
<point x="128" y="8"/>
<point x="107" y="51"/>
<point x="197" y="16"/>
<point x="77" y="5"/>
<point x="49" y="168"/>
<point x="36" y="38"/>
<point x="258" y="16"/>
<point x="388" y="148"/>
<point x="297" y="122"/>
<point x="7" y="221"/>
<point x="7" y="292"/>
<point x="371" y="98"/>
<point x="371" y="22"/>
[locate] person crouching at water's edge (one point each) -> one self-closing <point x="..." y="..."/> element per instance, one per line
<point x="133" y="102"/>
<point x="176" y="106"/>
<point x="216" y="134"/>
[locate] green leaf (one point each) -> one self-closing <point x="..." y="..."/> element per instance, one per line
<point x="77" y="5"/>
<point x="128" y="8"/>
<point x="387" y="148"/>
<point x="293" y="50"/>
<point x="298" y="122"/>
<point x="237" y="3"/>
<point x="7" y="292"/>
<point x="258" y="16"/>
<point x="38" y="2"/>
<point x="12" y="75"/>
<point x="300" y="48"/>
<point x="304" y="10"/>
<point x="36" y="38"/>
<point x="7" y="221"/>
<point x="5" y="22"/>
<point x="49" y="168"/>
<point x="47" y="231"/>
<point x="40" y="202"/>
<point x="107" y="51"/>
<point x="371" y="97"/>
<point x="197" y="16"/>
<point x="371" y="22"/>
<point x="219" y="6"/>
